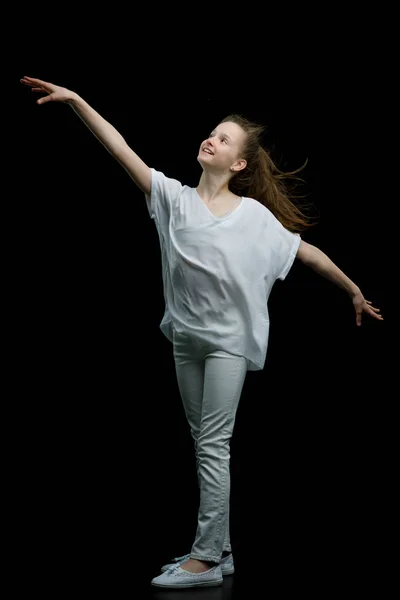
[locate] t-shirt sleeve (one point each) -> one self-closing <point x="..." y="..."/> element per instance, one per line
<point x="286" y="245"/>
<point x="163" y="195"/>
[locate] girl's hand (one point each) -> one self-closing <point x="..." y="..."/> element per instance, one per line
<point x="55" y="92"/>
<point x="361" y="305"/>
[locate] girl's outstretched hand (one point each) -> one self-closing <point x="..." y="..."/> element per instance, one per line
<point x="55" y="92"/>
<point x="361" y="305"/>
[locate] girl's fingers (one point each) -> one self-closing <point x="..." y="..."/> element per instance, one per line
<point x="30" y="84"/>
<point x="33" y="80"/>
<point x="370" y="305"/>
<point x="44" y="99"/>
<point x="35" y="83"/>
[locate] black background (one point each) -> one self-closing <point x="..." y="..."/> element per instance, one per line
<point x="105" y="473"/>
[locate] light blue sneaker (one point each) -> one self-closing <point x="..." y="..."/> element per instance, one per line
<point x="226" y="564"/>
<point x="175" y="577"/>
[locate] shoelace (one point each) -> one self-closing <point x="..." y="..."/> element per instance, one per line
<point x="173" y="568"/>
<point x="180" y="558"/>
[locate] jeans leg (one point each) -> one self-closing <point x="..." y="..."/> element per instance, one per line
<point x="190" y="376"/>
<point x="224" y="376"/>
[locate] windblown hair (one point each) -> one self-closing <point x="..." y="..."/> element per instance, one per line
<point x="262" y="180"/>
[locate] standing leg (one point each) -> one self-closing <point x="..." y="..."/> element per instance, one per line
<point x="190" y="370"/>
<point x="224" y="376"/>
<point x="190" y="377"/>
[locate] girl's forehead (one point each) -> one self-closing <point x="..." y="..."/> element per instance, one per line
<point x="232" y="130"/>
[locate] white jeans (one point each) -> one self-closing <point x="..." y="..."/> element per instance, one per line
<point x="210" y="383"/>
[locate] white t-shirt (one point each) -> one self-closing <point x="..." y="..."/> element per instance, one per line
<point x="218" y="272"/>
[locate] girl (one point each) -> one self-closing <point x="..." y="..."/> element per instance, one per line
<point x="223" y="245"/>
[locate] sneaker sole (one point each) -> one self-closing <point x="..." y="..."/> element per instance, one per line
<point x="190" y="585"/>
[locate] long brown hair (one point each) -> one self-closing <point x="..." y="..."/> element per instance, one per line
<point x="262" y="180"/>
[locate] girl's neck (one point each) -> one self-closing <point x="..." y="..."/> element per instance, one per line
<point x="212" y="187"/>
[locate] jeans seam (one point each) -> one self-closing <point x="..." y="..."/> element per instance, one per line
<point x="225" y="430"/>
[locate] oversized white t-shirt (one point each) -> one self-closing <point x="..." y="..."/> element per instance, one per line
<point x="218" y="272"/>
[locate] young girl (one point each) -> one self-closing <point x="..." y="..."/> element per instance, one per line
<point x="223" y="245"/>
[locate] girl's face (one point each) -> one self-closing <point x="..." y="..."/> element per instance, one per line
<point x="220" y="153"/>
